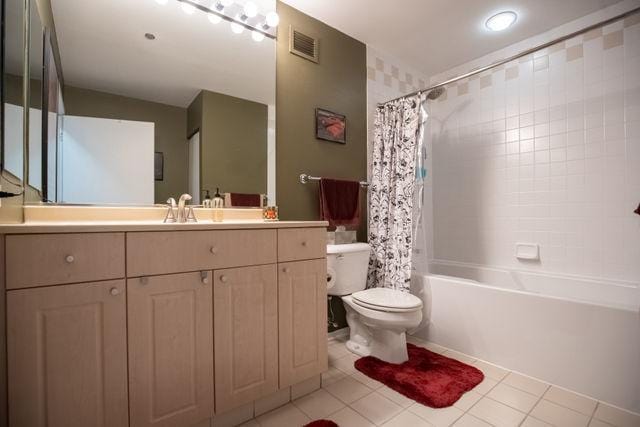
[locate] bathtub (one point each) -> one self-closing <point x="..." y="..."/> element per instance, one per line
<point x="580" y="334"/>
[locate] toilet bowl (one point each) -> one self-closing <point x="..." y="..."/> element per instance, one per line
<point x="378" y="318"/>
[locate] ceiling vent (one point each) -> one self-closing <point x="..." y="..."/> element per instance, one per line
<point x="303" y="45"/>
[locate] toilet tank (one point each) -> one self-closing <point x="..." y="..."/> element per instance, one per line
<point x="347" y="267"/>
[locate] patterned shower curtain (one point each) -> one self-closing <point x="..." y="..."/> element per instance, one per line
<point x="398" y="126"/>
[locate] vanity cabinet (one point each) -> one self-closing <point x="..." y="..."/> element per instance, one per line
<point x="67" y="355"/>
<point x="302" y="322"/>
<point x="170" y="349"/>
<point x="245" y="309"/>
<point x="161" y="327"/>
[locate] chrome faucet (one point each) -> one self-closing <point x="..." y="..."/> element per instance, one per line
<point x="171" y="205"/>
<point x="182" y="214"/>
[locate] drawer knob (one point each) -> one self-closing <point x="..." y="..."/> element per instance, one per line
<point x="144" y="280"/>
<point x="204" y="276"/>
<point x="213" y="250"/>
<point x="69" y="259"/>
<point x="224" y="279"/>
<point x="286" y="270"/>
<point x="304" y="243"/>
<point x="115" y="291"/>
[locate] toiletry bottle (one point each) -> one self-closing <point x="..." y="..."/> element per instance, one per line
<point x="217" y="204"/>
<point x="207" y="202"/>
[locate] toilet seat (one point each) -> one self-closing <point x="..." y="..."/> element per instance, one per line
<point x="389" y="300"/>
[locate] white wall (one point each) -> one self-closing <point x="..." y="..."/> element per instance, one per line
<point x="107" y="161"/>
<point x="545" y="150"/>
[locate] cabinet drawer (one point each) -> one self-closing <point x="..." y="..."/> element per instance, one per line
<point x="302" y="243"/>
<point x="53" y="259"/>
<point x="164" y="252"/>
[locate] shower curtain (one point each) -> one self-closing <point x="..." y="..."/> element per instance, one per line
<point x="397" y="129"/>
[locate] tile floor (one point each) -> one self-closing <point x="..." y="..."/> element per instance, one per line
<point x="504" y="398"/>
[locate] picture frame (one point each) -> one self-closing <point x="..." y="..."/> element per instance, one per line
<point x="331" y="126"/>
<point x="158" y="166"/>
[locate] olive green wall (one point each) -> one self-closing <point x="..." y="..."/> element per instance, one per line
<point x="233" y="143"/>
<point x="170" y="130"/>
<point x="339" y="84"/>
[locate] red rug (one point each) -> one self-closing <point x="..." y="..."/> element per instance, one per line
<point x="321" y="423"/>
<point x="427" y="377"/>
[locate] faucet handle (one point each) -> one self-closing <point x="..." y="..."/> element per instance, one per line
<point x="171" y="202"/>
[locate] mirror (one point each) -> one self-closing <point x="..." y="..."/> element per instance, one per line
<point x="156" y="102"/>
<point x="36" y="73"/>
<point x="12" y="99"/>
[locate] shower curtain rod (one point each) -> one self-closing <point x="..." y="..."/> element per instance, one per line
<point x="519" y="55"/>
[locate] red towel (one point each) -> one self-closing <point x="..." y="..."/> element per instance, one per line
<point x="245" y="200"/>
<point x="340" y="202"/>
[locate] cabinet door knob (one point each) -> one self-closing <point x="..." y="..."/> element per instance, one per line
<point x="115" y="291"/>
<point x="144" y="280"/>
<point x="286" y="270"/>
<point x="69" y="259"/>
<point x="224" y="279"/>
<point x="304" y="243"/>
<point x="204" y="276"/>
<point x="213" y="250"/>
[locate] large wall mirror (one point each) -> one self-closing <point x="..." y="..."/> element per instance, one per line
<point x="149" y="99"/>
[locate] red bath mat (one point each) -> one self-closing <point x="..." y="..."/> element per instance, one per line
<point x="427" y="377"/>
<point x="321" y="423"/>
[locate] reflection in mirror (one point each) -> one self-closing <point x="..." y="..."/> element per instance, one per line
<point x="158" y="102"/>
<point x="12" y="92"/>
<point x="36" y="67"/>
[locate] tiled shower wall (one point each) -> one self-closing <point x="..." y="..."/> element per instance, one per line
<point x="544" y="150"/>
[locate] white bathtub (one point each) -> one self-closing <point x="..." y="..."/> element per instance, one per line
<point x="580" y="334"/>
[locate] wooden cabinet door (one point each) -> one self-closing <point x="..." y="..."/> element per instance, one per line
<point x="245" y="310"/>
<point x="67" y="351"/>
<point x="170" y="349"/>
<point x="302" y="317"/>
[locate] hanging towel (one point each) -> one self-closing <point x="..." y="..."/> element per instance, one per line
<point x="243" y="200"/>
<point x="340" y="202"/>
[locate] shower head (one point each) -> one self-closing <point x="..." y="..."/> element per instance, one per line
<point x="435" y="93"/>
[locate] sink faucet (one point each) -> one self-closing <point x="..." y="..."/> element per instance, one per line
<point x="171" y="205"/>
<point x="182" y="217"/>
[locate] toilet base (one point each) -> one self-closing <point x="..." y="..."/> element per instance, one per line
<point x="389" y="345"/>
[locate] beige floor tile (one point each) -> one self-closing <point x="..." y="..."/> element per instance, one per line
<point x="407" y="419"/>
<point x="555" y="414"/>
<point x="286" y="416"/>
<point x="510" y="396"/>
<point x="348" y="390"/>
<point x="615" y="416"/>
<point x="331" y="376"/>
<point x="306" y="387"/>
<point x="571" y="400"/>
<point x="368" y="381"/>
<point x="534" y="422"/>
<point x="337" y="350"/>
<point x="524" y="383"/>
<point x="347" y="417"/>
<point x="318" y="404"/>
<point x="396" y="397"/>
<point x="485" y="386"/>
<point x="438" y="417"/>
<point x="597" y="423"/>
<point x="345" y="364"/>
<point x="250" y="423"/>
<point x="496" y="413"/>
<point x="468" y="420"/>
<point x="468" y="400"/>
<point x="489" y="370"/>
<point x="464" y="358"/>
<point x="435" y="347"/>
<point x="376" y="408"/>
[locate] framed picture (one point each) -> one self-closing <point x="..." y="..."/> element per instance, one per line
<point x="158" y="166"/>
<point x="331" y="126"/>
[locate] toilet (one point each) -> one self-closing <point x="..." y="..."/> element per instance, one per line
<point x="378" y="318"/>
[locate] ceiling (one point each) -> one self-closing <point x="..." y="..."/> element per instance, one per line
<point x="102" y="47"/>
<point x="436" y="35"/>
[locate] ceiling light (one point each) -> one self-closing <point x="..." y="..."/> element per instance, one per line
<point x="162" y="2"/>
<point x="214" y="19"/>
<point x="237" y="28"/>
<point x="501" y="21"/>
<point x="188" y="8"/>
<point x="273" y="19"/>
<point x="257" y="36"/>
<point x="250" y="9"/>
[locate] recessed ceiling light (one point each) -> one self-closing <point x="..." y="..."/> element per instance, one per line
<point x="149" y="36"/>
<point x="501" y="21"/>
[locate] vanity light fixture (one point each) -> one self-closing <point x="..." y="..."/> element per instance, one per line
<point x="213" y="18"/>
<point x="256" y="36"/>
<point x="272" y="19"/>
<point x="250" y="9"/>
<point x="188" y="8"/>
<point x="501" y="21"/>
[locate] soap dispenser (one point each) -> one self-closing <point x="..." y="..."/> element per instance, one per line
<point x="217" y="204"/>
<point x="207" y="202"/>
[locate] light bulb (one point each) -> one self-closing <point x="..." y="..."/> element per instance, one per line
<point x="162" y="2"/>
<point x="273" y="19"/>
<point x="226" y="3"/>
<point x="250" y="9"/>
<point x="257" y="36"/>
<point x="188" y="8"/>
<point x="214" y="19"/>
<point x="237" y="28"/>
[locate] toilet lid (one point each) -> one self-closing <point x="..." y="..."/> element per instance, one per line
<point x="385" y="299"/>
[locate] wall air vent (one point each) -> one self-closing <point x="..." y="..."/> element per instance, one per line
<point x="303" y="45"/>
